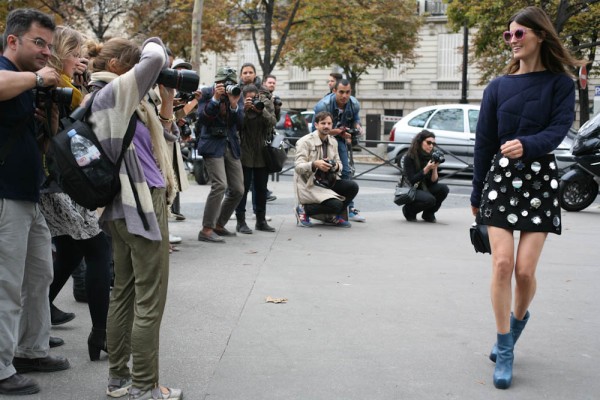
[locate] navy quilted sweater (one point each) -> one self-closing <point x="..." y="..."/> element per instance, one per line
<point x="537" y="108"/>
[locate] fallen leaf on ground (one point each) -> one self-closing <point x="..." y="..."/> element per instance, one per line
<point x="275" y="300"/>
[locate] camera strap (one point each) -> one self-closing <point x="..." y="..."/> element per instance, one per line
<point x="12" y="139"/>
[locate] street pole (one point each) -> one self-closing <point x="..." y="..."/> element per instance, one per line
<point x="463" y="96"/>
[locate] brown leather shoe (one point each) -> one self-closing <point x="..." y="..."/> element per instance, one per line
<point x="45" y="364"/>
<point x="18" y="384"/>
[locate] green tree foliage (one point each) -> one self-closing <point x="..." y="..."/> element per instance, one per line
<point x="577" y="23"/>
<point x="355" y="35"/>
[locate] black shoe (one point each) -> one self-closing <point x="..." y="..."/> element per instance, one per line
<point x="58" y="317"/>
<point x="409" y="217"/>
<point x="429" y="218"/>
<point x="55" y="342"/>
<point x="45" y="364"/>
<point x="243" y="228"/>
<point x="263" y="226"/>
<point x="18" y="384"/>
<point x="96" y="343"/>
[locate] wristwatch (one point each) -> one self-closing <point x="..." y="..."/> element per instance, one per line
<point x="39" y="81"/>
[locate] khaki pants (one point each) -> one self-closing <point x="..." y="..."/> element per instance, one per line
<point x="25" y="276"/>
<point x="138" y="299"/>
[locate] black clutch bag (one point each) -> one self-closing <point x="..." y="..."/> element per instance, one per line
<point x="479" y="238"/>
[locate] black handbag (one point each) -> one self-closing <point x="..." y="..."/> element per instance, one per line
<point x="274" y="155"/>
<point x="479" y="238"/>
<point x="404" y="195"/>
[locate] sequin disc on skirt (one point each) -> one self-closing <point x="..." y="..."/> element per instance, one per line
<point x="521" y="195"/>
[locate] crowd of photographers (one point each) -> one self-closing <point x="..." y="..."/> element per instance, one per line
<point x="47" y="72"/>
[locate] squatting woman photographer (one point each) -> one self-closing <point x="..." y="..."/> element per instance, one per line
<point x="420" y="168"/>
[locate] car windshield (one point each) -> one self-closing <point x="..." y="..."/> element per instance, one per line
<point x="419" y="120"/>
<point x="450" y="119"/>
<point x="473" y="116"/>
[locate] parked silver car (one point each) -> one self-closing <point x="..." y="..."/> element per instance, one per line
<point x="454" y="128"/>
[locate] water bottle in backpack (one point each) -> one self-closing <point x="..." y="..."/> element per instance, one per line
<point x="83" y="149"/>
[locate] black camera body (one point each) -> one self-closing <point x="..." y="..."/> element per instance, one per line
<point x="257" y="103"/>
<point x="57" y="95"/>
<point x="185" y="96"/>
<point x="182" y="80"/>
<point x="437" y="157"/>
<point x="277" y="101"/>
<point x="326" y="179"/>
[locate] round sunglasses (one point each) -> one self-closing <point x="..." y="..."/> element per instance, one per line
<point x="519" y="34"/>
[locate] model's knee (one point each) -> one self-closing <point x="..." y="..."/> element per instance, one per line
<point x="503" y="268"/>
<point x="524" y="277"/>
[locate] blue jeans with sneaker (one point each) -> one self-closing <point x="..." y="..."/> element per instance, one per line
<point x="345" y="159"/>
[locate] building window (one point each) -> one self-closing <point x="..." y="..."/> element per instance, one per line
<point x="436" y="7"/>
<point x="393" y="85"/>
<point x="449" y="56"/>
<point x="388" y="123"/>
<point x="448" y="86"/>
<point x="298" y="85"/>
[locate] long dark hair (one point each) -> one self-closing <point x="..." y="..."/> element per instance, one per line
<point x="554" y="56"/>
<point x="417" y="143"/>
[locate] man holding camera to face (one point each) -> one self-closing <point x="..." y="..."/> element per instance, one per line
<point x="219" y="119"/>
<point x="25" y="252"/>
<point x="319" y="190"/>
<point x="344" y="109"/>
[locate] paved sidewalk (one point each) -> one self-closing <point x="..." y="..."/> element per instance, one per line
<point x="384" y="310"/>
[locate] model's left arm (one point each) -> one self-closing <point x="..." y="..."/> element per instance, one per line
<point x="561" y="118"/>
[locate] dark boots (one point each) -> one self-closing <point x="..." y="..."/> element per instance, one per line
<point x="261" y="223"/>
<point x="96" y="343"/>
<point x="241" y="226"/>
<point x="516" y="327"/>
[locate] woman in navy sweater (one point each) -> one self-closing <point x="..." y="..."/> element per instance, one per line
<point x="524" y="116"/>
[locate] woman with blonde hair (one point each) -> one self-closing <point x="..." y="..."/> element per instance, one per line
<point x="75" y="230"/>
<point x="137" y="217"/>
<point x="524" y="116"/>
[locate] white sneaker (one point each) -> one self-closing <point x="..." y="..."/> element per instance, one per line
<point x="174" y="239"/>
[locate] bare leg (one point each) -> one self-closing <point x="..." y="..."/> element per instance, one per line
<point x="502" y="243"/>
<point x="528" y="255"/>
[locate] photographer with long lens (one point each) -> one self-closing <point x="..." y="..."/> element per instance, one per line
<point x="345" y="110"/>
<point x="421" y="166"/>
<point x="319" y="189"/>
<point x="219" y="118"/>
<point x="25" y="250"/>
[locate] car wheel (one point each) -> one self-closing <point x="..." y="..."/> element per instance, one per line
<point x="399" y="160"/>
<point x="577" y="195"/>
<point x="200" y="172"/>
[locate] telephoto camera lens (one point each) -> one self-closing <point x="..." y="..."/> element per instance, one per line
<point x="233" y="90"/>
<point x="182" y="80"/>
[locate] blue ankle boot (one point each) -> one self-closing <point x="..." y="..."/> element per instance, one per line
<point x="516" y="326"/>
<point x="504" y="361"/>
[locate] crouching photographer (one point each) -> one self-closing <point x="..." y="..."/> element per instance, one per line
<point x="421" y="166"/>
<point x="319" y="190"/>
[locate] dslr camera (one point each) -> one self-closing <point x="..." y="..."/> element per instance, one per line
<point x="437" y="157"/>
<point x="257" y="103"/>
<point x="355" y="132"/>
<point x="326" y="179"/>
<point x="182" y="80"/>
<point x="48" y="95"/>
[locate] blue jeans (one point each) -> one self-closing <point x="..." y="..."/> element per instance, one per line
<point x="345" y="159"/>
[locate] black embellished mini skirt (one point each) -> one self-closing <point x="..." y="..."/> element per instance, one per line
<point x="521" y="195"/>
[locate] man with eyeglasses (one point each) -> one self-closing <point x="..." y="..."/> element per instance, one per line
<point x="25" y="252"/>
<point x="345" y="109"/>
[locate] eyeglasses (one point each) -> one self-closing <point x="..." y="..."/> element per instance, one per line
<point x="40" y="43"/>
<point x="519" y="34"/>
<point x="430" y="142"/>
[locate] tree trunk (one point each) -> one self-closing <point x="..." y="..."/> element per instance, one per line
<point x="197" y="34"/>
